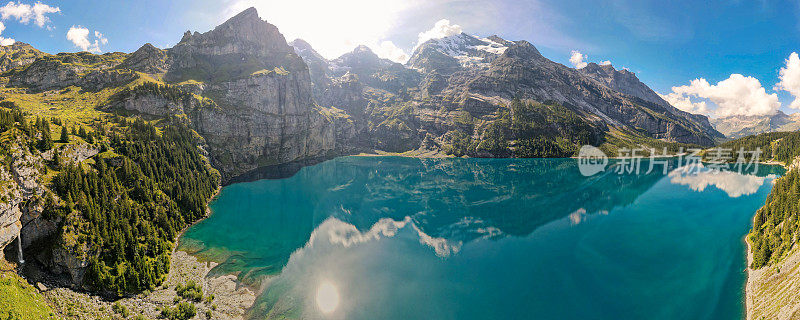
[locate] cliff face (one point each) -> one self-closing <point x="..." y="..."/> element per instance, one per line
<point x="23" y="195"/>
<point x="21" y="188"/>
<point x="265" y="119"/>
<point x="263" y="112"/>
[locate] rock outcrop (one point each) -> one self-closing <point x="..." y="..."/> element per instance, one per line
<point x="17" y="55"/>
<point x="21" y="194"/>
<point x="91" y="72"/>
<point x="147" y="59"/>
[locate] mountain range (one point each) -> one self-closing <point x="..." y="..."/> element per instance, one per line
<point x="742" y="126"/>
<point x="254" y="101"/>
<point x="273" y="103"/>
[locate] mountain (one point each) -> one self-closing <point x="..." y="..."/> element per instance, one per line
<point x="375" y="71"/>
<point x="626" y="82"/>
<point x="318" y="66"/>
<point x="450" y="54"/>
<point x="264" y="112"/>
<point x="622" y="81"/>
<point x="454" y="90"/>
<point x="18" y="54"/>
<point x="153" y="132"/>
<point x="741" y="126"/>
<point x="475" y="79"/>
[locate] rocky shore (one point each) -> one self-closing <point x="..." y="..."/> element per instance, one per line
<point x="230" y="299"/>
<point x="771" y="292"/>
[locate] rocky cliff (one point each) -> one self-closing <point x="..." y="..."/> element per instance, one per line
<point x="261" y="109"/>
<point x="20" y="184"/>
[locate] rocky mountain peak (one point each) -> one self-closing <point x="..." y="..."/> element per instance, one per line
<point x="18" y="54"/>
<point x="186" y="36"/>
<point x="249" y="14"/>
<point x="301" y="45"/>
<point x="309" y="55"/>
<point x="623" y="81"/>
<point x="362" y="49"/>
<point x="318" y="66"/>
<point x="238" y="47"/>
<point x="361" y="61"/>
<point x="522" y="50"/>
<point x="147" y="59"/>
<point x="243" y="33"/>
<point x="16" y="46"/>
<point x="500" y="40"/>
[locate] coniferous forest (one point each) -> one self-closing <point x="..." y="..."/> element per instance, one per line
<point x="775" y="225"/>
<point x="128" y="213"/>
<point x="123" y="211"/>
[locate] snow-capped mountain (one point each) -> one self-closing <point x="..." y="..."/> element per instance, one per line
<point x="446" y="55"/>
<point x="459" y="85"/>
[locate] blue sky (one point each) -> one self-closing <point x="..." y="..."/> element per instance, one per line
<point x="667" y="43"/>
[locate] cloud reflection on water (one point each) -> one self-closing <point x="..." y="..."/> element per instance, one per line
<point x="735" y="184"/>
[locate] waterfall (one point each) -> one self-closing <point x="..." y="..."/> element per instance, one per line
<point x="19" y="247"/>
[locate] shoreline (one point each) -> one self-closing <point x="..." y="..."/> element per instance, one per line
<point x="748" y="309"/>
<point x="763" y="289"/>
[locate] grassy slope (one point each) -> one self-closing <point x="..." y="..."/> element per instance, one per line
<point x="19" y="300"/>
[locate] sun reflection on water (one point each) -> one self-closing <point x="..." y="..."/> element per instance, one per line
<point x="327" y="297"/>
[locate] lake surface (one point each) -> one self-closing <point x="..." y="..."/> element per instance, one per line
<point x="405" y="238"/>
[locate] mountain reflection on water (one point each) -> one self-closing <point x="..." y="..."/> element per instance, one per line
<point x="399" y="238"/>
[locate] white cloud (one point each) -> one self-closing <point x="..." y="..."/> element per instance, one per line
<point x="578" y="59"/>
<point x="737" y="95"/>
<point x="79" y="36"/>
<point x="684" y="103"/>
<point x="441" y="29"/>
<point x="24" y="13"/>
<point x="100" y="37"/>
<point x="5" y="41"/>
<point x="605" y="63"/>
<point x="389" y="50"/>
<point x="790" y="79"/>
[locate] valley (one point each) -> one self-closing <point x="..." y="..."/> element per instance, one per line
<point x="112" y="163"/>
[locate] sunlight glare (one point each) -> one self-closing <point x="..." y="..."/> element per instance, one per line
<point x="347" y="23"/>
<point x="327" y="297"/>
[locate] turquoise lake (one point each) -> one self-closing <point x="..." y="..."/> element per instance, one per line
<point x="406" y="238"/>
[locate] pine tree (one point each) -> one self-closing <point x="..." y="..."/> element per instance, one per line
<point x="46" y="143"/>
<point x="64" y="134"/>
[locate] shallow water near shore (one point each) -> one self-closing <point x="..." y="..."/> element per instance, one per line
<point x="406" y="238"/>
